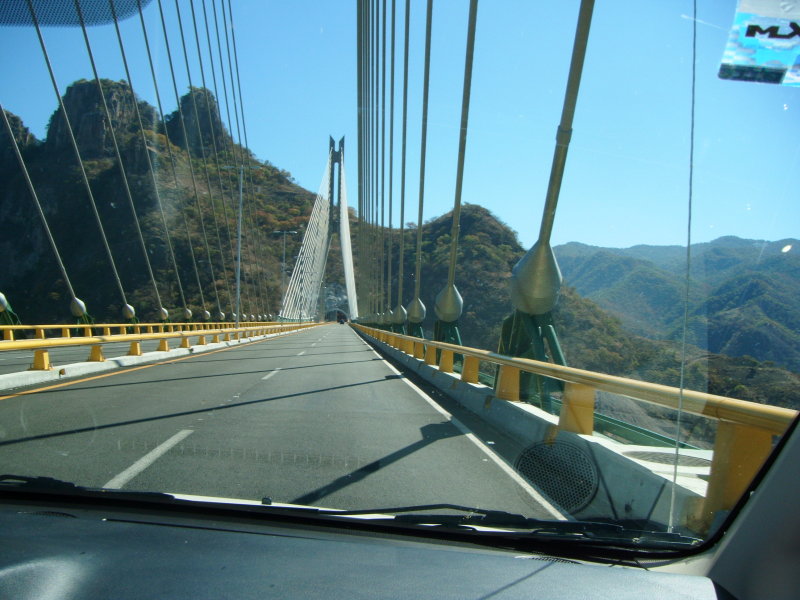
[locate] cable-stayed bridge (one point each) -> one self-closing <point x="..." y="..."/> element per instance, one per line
<point x="236" y="386"/>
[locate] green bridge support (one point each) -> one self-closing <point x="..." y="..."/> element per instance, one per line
<point x="534" y="337"/>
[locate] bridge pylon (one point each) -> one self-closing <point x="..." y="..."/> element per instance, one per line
<point x="302" y="299"/>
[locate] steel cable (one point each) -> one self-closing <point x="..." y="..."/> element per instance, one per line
<point x="385" y="284"/>
<point x="238" y="157"/>
<point x="127" y="308"/>
<point x="37" y="204"/>
<point x="401" y="266"/>
<point x="258" y="241"/>
<point x="423" y="147"/>
<point x="150" y="167"/>
<point x="118" y="155"/>
<point x="189" y="157"/>
<point x="391" y="165"/>
<point x="172" y="161"/>
<point x="462" y="141"/>
<point x="203" y="162"/>
<point x="214" y="146"/>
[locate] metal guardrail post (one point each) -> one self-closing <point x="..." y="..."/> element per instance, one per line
<point x="469" y="371"/>
<point x="96" y="354"/>
<point x="430" y="355"/>
<point x="577" y="409"/>
<point x="739" y="452"/>
<point x="508" y="383"/>
<point x="446" y="361"/>
<point x="41" y="361"/>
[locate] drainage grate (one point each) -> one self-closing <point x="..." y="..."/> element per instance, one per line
<point x="563" y="471"/>
<point x="665" y="458"/>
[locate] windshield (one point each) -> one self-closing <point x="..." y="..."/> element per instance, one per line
<point x="505" y="266"/>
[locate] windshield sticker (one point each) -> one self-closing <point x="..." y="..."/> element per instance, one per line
<point x="764" y="43"/>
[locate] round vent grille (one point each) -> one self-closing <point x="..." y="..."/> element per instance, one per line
<point x="563" y="471"/>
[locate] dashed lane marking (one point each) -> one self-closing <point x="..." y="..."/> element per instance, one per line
<point x="147" y="460"/>
<point x="268" y="375"/>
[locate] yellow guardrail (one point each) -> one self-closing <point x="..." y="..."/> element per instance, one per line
<point x="11" y="332"/>
<point x="745" y="430"/>
<point x="135" y="334"/>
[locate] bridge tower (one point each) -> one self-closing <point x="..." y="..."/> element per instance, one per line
<point x="302" y="300"/>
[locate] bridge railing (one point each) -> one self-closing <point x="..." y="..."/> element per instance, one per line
<point x="135" y="334"/>
<point x="745" y="430"/>
<point x="13" y="332"/>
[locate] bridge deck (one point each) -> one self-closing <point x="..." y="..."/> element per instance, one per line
<point x="316" y="417"/>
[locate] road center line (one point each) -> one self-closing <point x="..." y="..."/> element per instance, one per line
<point x="301" y="353"/>
<point x="147" y="460"/>
<point x="268" y="375"/>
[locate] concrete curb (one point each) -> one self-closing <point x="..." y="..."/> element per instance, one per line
<point x="12" y="381"/>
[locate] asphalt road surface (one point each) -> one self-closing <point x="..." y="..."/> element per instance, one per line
<point x="316" y="417"/>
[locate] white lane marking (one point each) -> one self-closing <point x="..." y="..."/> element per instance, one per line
<point x="148" y="459"/>
<point x="301" y="353"/>
<point x="314" y="344"/>
<point x="474" y="439"/>
<point x="268" y="375"/>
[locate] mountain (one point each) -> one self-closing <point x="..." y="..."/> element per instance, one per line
<point x="30" y="277"/>
<point x="742" y="297"/>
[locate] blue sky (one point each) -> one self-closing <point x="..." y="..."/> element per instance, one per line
<point x="626" y="180"/>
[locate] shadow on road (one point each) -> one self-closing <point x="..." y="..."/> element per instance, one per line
<point x="430" y="434"/>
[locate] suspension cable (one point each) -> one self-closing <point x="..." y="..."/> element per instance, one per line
<point x="226" y="143"/>
<point x="401" y="267"/>
<point x="36" y="203"/>
<point x="376" y="169"/>
<point x="150" y="167"/>
<point x="423" y="148"/>
<point x="360" y="111"/>
<point x="238" y="155"/>
<point x="189" y="156"/>
<point x="118" y="155"/>
<point x="172" y="160"/>
<point x="688" y="279"/>
<point x="239" y="139"/>
<point x="257" y="248"/>
<point x="128" y="310"/>
<point x="214" y="146"/>
<point x="203" y="161"/>
<point x="462" y="141"/>
<point x="391" y="162"/>
<point x="386" y="285"/>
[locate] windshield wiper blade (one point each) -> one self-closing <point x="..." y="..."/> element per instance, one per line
<point x="480" y="516"/>
<point x="50" y="485"/>
<point x="517" y="524"/>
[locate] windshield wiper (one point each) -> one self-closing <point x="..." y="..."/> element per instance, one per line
<point x="517" y="524"/>
<point x="50" y="485"/>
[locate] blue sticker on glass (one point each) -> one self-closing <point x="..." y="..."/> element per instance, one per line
<point x="764" y="43"/>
